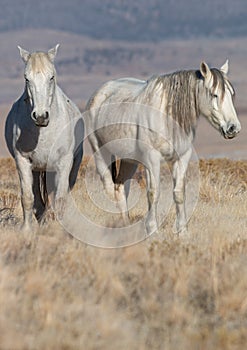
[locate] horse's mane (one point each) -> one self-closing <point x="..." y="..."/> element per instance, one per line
<point x="182" y="102"/>
<point x="181" y="92"/>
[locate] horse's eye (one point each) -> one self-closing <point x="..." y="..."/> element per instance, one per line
<point x="215" y="96"/>
<point x="52" y="78"/>
<point x="27" y="81"/>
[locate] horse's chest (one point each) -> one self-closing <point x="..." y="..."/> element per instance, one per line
<point x="46" y="158"/>
<point x="42" y="146"/>
<point x="39" y="157"/>
<point x="42" y="154"/>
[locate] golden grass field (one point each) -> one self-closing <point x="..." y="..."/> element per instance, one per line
<point x="164" y="293"/>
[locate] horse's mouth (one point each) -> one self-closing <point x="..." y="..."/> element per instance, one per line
<point x="42" y="125"/>
<point x="40" y="120"/>
<point x="227" y="135"/>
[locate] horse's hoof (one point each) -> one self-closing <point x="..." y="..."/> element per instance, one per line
<point x="60" y="207"/>
<point x="26" y="228"/>
<point x="183" y="234"/>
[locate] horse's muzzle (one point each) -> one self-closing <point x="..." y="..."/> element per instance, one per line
<point x="231" y="131"/>
<point x="41" y="120"/>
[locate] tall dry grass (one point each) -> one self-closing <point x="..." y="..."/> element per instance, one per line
<point x="164" y="293"/>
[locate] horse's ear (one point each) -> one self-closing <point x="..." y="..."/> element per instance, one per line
<point x="224" y="69"/>
<point x="24" y="54"/>
<point x="52" y="52"/>
<point x="206" y="73"/>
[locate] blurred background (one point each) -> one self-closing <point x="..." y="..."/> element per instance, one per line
<point x="102" y="40"/>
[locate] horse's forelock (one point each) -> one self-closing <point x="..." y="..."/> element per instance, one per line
<point x="39" y="62"/>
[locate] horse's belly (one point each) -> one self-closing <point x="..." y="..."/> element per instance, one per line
<point x="132" y="141"/>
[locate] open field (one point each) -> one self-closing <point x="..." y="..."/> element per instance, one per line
<point x="163" y="293"/>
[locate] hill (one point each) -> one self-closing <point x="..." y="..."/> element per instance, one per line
<point x="83" y="64"/>
<point x="139" y="20"/>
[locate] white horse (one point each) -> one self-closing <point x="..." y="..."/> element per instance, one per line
<point x="144" y="121"/>
<point x="33" y="124"/>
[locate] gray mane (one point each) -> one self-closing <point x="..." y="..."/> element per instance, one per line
<point x="181" y="91"/>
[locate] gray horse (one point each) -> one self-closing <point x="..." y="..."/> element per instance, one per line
<point x="43" y="132"/>
<point x="144" y="121"/>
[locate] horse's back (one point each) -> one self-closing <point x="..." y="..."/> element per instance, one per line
<point x="116" y="91"/>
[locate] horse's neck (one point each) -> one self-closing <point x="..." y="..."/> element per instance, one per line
<point x="25" y="95"/>
<point x="59" y="99"/>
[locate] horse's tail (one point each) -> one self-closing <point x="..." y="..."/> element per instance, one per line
<point x="43" y="188"/>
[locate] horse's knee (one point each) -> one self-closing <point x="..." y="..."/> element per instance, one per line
<point x="178" y="196"/>
<point x="27" y="200"/>
<point x="108" y="186"/>
<point x="119" y="192"/>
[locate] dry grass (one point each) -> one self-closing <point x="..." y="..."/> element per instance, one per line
<point x="59" y="293"/>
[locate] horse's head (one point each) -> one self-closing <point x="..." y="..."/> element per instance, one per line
<point x="40" y="76"/>
<point x="216" y="100"/>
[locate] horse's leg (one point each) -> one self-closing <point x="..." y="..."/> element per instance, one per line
<point x="103" y="168"/>
<point x="27" y="197"/>
<point x="179" y="172"/>
<point x="62" y="184"/>
<point x="101" y="165"/>
<point x="75" y="168"/>
<point x="39" y="205"/>
<point x="122" y="186"/>
<point x="130" y="171"/>
<point x="78" y="151"/>
<point x="153" y="190"/>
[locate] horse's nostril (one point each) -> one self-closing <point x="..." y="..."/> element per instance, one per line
<point x="34" y="115"/>
<point x="231" y="129"/>
<point x="46" y="115"/>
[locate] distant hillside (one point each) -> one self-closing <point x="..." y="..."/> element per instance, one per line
<point x="142" y="20"/>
